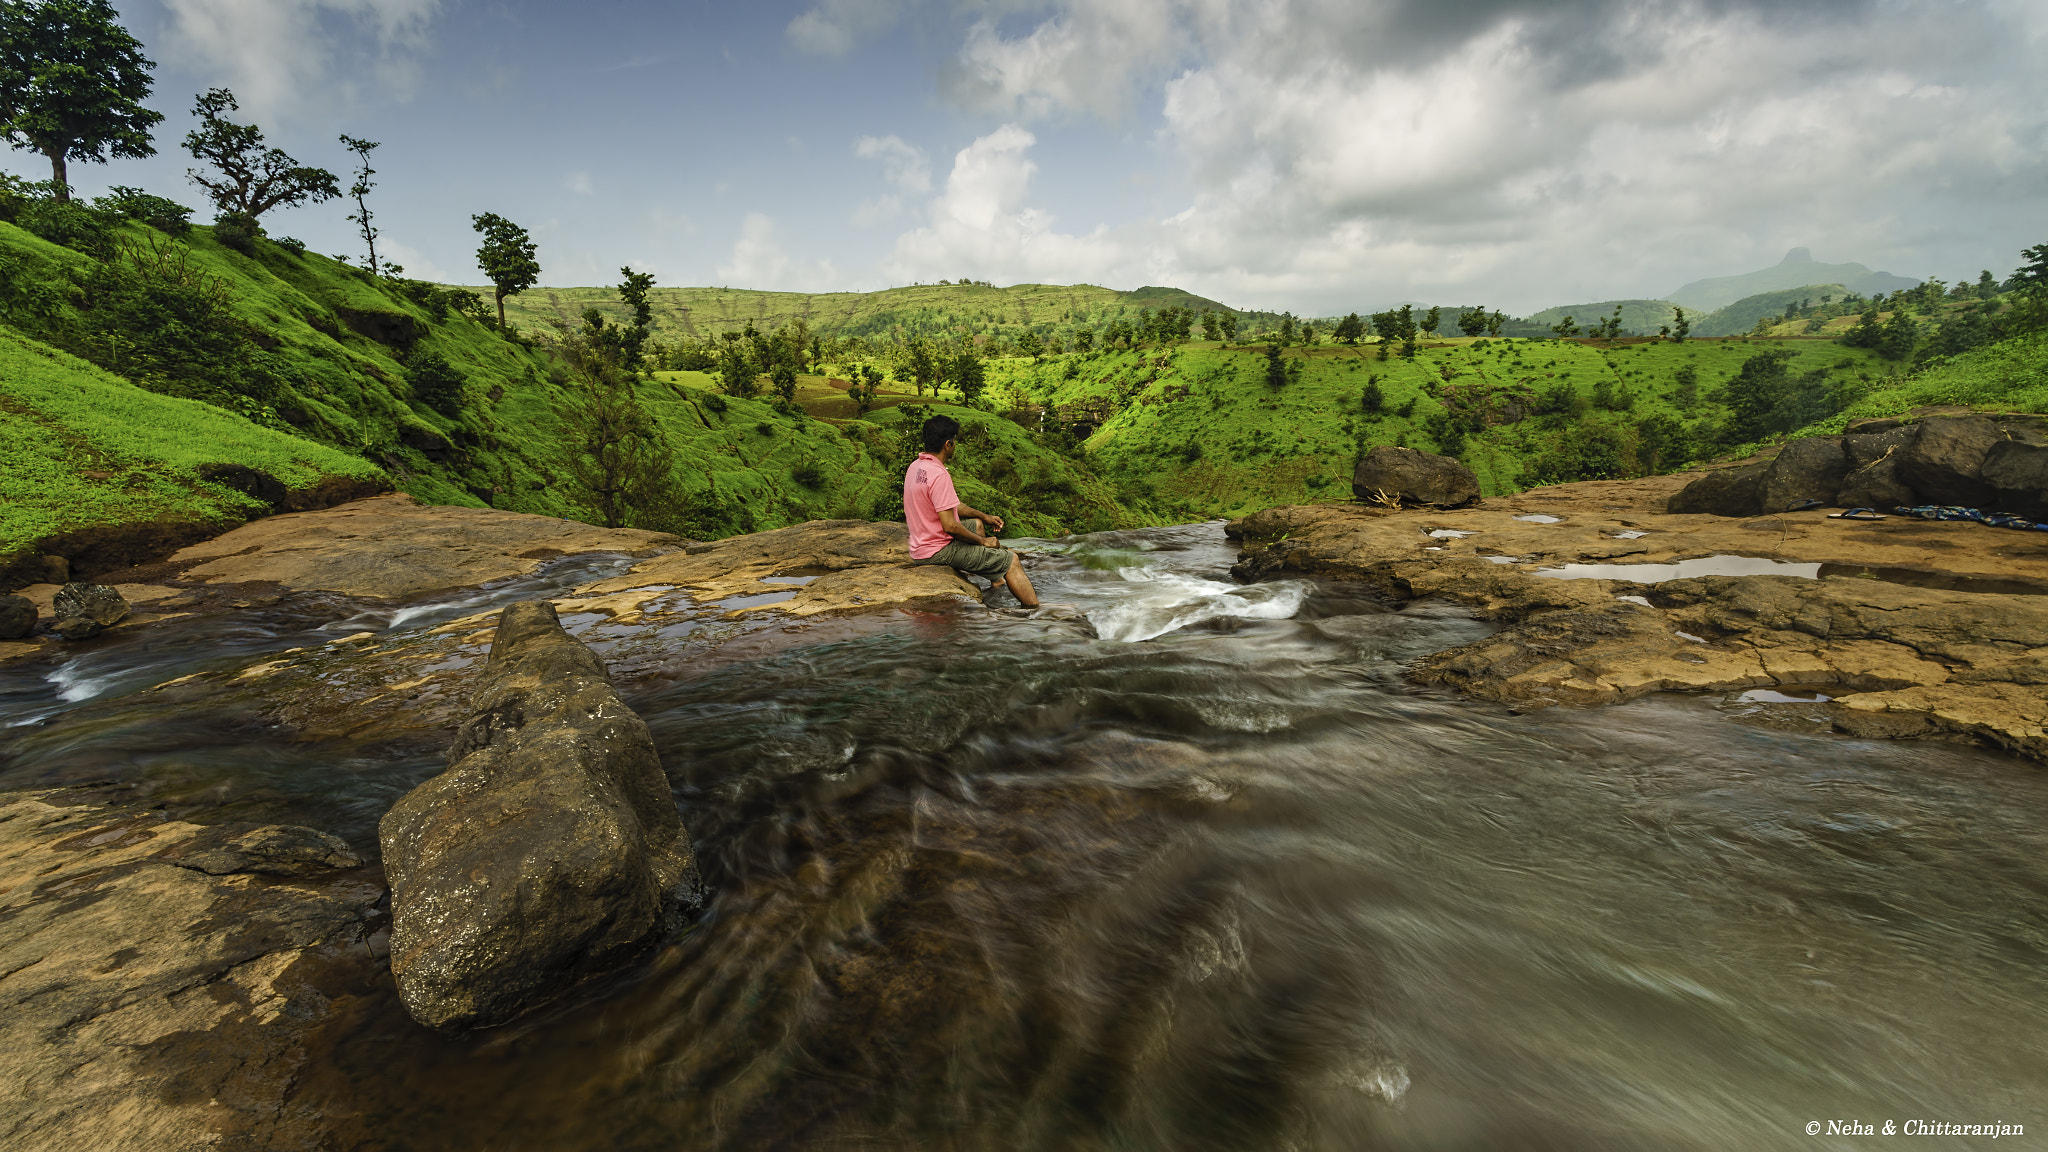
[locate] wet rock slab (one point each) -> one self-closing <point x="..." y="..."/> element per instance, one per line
<point x="1897" y="624"/>
<point x="164" y="980"/>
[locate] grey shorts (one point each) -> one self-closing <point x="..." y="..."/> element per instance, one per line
<point x="973" y="559"/>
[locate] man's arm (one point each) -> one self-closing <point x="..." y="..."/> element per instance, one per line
<point x="988" y="518"/>
<point x="949" y="519"/>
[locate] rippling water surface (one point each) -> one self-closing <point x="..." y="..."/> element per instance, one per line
<point x="1204" y="872"/>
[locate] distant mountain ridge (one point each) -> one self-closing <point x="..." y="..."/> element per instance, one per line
<point x="1797" y="270"/>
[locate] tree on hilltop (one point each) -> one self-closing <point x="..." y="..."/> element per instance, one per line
<point x="72" y="82"/>
<point x="252" y="179"/>
<point x="1565" y="329"/>
<point x="633" y="291"/>
<point x="360" y="190"/>
<point x="1474" y="322"/>
<point x="1349" y="329"/>
<point x="1434" y="317"/>
<point x="1680" y="326"/>
<point x="506" y="257"/>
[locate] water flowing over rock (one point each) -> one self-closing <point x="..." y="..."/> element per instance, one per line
<point x="17" y="617"/>
<point x="161" y="989"/>
<point x="548" y="852"/>
<point x="1414" y="476"/>
<point x="1916" y="627"/>
<point x="83" y="610"/>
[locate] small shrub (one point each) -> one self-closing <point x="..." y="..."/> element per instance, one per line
<point x="238" y="232"/>
<point x="715" y="402"/>
<point x="80" y="227"/>
<point x="808" y="474"/>
<point x="292" y="244"/>
<point x="765" y="428"/>
<point x="166" y="216"/>
<point x="435" y="382"/>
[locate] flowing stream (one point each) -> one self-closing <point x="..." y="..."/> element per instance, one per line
<point x="1201" y="873"/>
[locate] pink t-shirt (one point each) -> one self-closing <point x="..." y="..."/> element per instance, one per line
<point x="927" y="489"/>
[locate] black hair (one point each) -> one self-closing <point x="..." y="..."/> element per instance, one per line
<point x="938" y="430"/>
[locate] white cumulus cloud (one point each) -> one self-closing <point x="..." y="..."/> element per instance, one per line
<point x="759" y="260"/>
<point x="280" y="56"/>
<point x="1334" y="154"/>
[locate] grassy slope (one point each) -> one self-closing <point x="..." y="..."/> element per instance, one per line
<point x="351" y="410"/>
<point x="920" y="310"/>
<point x="1259" y="447"/>
<point x="81" y="448"/>
<point x="2009" y="376"/>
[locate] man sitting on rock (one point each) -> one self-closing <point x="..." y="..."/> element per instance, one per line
<point x="938" y="532"/>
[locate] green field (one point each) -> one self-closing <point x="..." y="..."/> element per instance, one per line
<point x="926" y="310"/>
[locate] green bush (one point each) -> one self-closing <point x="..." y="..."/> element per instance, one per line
<point x="166" y="216"/>
<point x="238" y="232"/>
<point x="435" y="382"/>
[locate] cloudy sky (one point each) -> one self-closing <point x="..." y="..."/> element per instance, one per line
<point x="1314" y="155"/>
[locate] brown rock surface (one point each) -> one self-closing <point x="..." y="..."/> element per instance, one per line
<point x="151" y="1003"/>
<point x="1919" y="627"/>
<point x="856" y="563"/>
<point x="393" y="546"/>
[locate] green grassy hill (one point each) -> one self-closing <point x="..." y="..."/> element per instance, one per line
<point x="83" y="451"/>
<point x="928" y="310"/>
<point x="315" y="375"/>
<point x="1197" y="431"/>
<point x="161" y="387"/>
<point x="1638" y="317"/>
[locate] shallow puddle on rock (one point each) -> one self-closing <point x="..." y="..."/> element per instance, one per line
<point x="787" y="579"/>
<point x="1773" y="696"/>
<point x="738" y="602"/>
<point x="1540" y="518"/>
<point x="1450" y="533"/>
<point x="1683" y="569"/>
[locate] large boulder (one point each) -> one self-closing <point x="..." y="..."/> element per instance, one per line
<point x="548" y="852"/>
<point x="83" y="610"/>
<point x="1876" y="485"/>
<point x="1806" y="469"/>
<point x="1722" y="492"/>
<point x="17" y="617"/>
<point x="2018" y="472"/>
<point x="1944" y="463"/>
<point x="1413" y="477"/>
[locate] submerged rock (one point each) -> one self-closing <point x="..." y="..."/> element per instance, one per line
<point x="83" y="610"/>
<point x="549" y="851"/>
<point x="1414" y="477"/>
<point x="17" y="617"/>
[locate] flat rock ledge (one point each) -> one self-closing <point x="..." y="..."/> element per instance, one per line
<point x="549" y="852"/>
<point x="1915" y="628"/>
<point x="164" y="981"/>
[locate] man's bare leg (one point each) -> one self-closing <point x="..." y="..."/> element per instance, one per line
<point x="1020" y="584"/>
